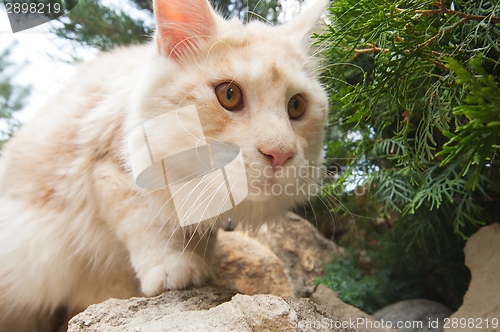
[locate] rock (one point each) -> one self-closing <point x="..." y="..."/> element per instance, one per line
<point x="203" y="310"/>
<point x="244" y="264"/>
<point x="482" y="300"/>
<point x="345" y="312"/>
<point x="301" y="249"/>
<point x="278" y="261"/>
<point x="415" y="315"/>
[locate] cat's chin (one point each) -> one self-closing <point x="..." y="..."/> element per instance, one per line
<point x="268" y="194"/>
<point x="256" y="198"/>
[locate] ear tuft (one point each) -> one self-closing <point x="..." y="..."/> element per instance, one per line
<point x="181" y="23"/>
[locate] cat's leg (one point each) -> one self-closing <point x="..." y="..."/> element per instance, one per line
<point x="167" y="257"/>
<point x="163" y="255"/>
<point x="185" y="262"/>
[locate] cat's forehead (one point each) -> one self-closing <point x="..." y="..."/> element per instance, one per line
<point x="256" y="51"/>
<point x="259" y="39"/>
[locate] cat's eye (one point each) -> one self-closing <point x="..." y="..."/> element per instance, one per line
<point x="229" y="96"/>
<point x="296" y="107"/>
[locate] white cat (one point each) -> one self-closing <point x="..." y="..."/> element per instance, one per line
<point x="75" y="229"/>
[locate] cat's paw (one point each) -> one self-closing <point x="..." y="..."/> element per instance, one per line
<point x="176" y="273"/>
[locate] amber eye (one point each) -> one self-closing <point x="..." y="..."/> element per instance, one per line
<point x="229" y="96"/>
<point x="296" y="107"/>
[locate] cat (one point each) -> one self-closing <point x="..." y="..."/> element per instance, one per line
<point x="76" y="229"/>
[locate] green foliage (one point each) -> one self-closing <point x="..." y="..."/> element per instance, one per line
<point x="388" y="273"/>
<point x="12" y="96"/>
<point x="398" y="79"/>
<point x="93" y="24"/>
<point x="477" y="140"/>
<point x="347" y="278"/>
<point x="415" y="121"/>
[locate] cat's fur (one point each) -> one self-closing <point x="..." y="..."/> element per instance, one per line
<point x="76" y="230"/>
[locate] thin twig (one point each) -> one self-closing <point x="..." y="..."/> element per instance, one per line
<point x="437" y="63"/>
<point x="462" y="21"/>
<point x="443" y="10"/>
<point x="442" y="5"/>
<point x="372" y="48"/>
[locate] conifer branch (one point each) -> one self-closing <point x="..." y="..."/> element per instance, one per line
<point x="437" y="63"/>
<point x="462" y="21"/>
<point x="443" y="10"/>
<point x="372" y="48"/>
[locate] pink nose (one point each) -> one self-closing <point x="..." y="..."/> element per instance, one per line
<point x="278" y="158"/>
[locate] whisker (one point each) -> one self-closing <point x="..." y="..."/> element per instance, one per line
<point x="255" y="14"/>
<point x="185" y="245"/>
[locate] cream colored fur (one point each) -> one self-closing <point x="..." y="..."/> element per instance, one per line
<point x="76" y="230"/>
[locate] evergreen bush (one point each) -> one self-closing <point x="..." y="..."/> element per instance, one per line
<point x="415" y="120"/>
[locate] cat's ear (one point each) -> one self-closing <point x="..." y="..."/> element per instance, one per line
<point x="308" y="22"/>
<point x="180" y="24"/>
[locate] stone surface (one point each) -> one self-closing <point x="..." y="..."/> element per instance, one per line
<point x="301" y="249"/>
<point x="482" y="300"/>
<point x="244" y="264"/>
<point x="415" y="315"/>
<point x="345" y="312"/>
<point x="203" y="310"/>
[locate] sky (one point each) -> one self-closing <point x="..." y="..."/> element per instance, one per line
<point x="45" y="56"/>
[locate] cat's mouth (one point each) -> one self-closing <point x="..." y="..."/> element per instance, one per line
<point x="289" y="182"/>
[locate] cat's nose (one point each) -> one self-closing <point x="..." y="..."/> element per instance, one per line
<point x="278" y="158"/>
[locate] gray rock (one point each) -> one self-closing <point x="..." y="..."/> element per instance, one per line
<point x="205" y="309"/>
<point x="301" y="249"/>
<point x="345" y="312"/>
<point x="481" y="307"/>
<point x="246" y="265"/>
<point x="415" y="315"/>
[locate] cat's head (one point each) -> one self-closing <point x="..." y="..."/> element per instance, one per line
<point x="253" y="84"/>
